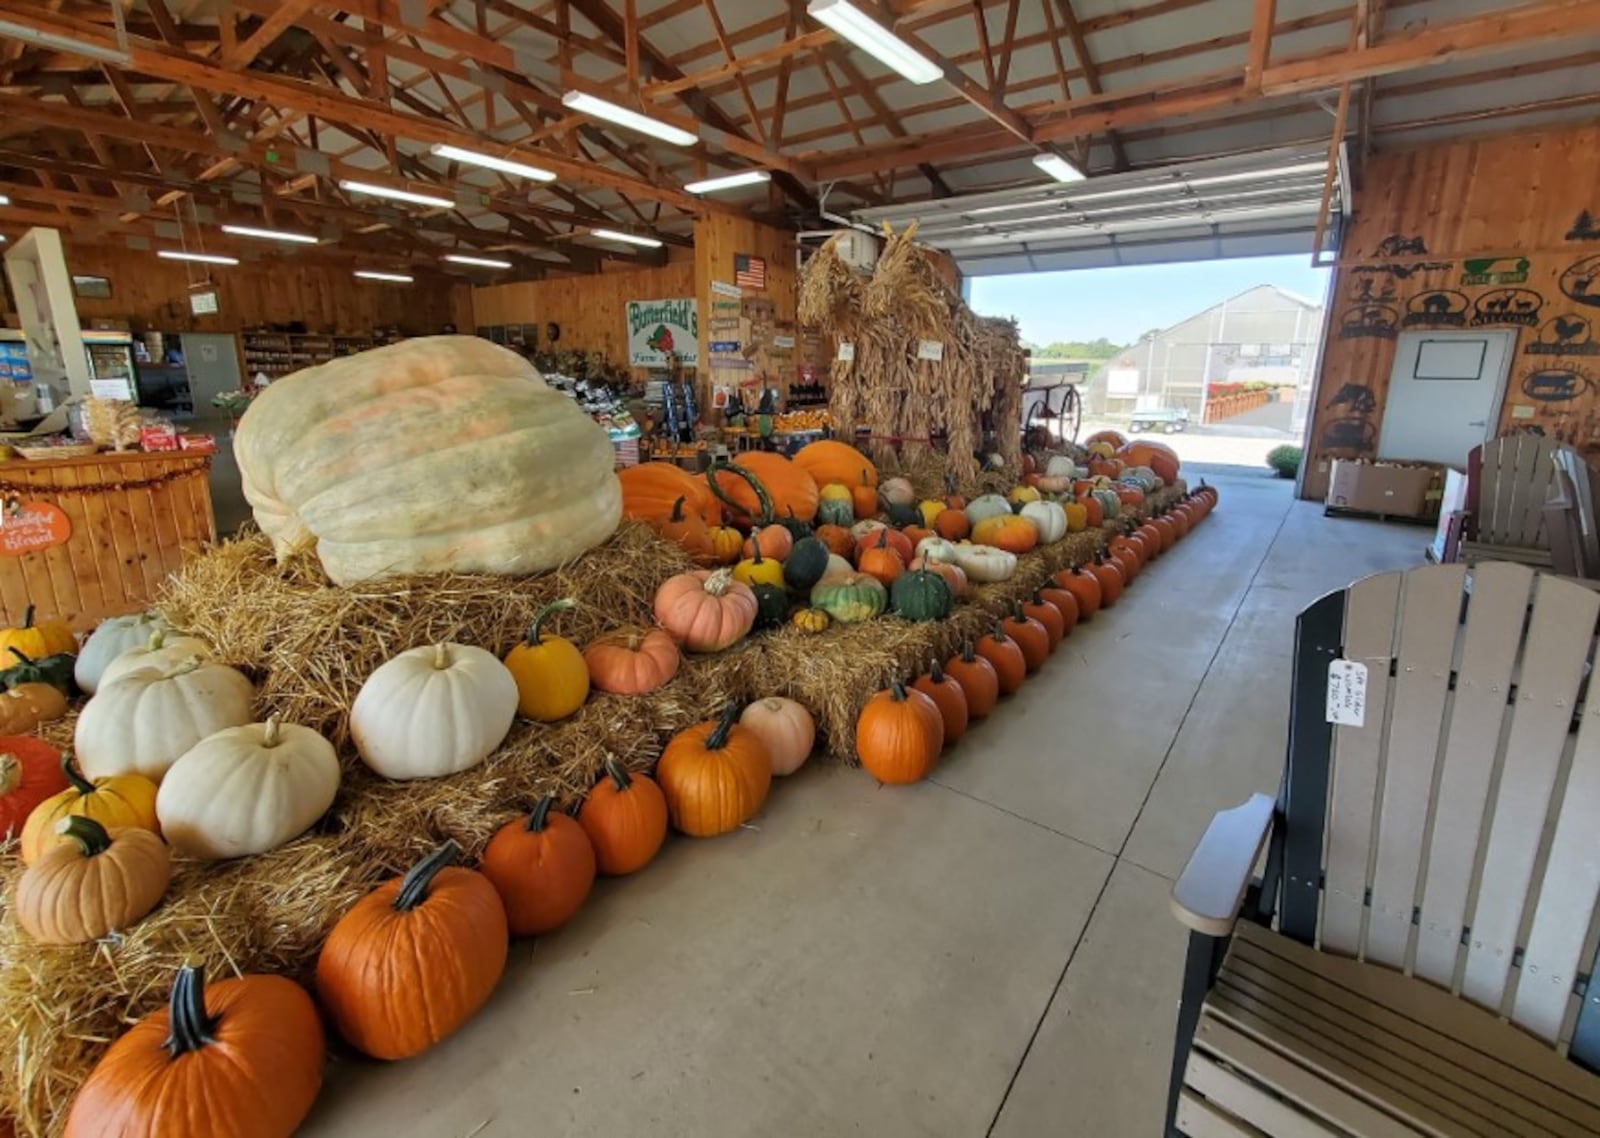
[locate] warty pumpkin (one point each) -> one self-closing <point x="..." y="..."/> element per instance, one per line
<point x="978" y="679"/>
<point x="552" y="679"/>
<point x="141" y="722"/>
<point x="120" y="802"/>
<point x="110" y="639"/>
<point x="30" y="773"/>
<point x="949" y="697"/>
<point x="1083" y="585"/>
<point x="705" y="611"/>
<point x="37" y="638"/>
<point x="810" y="620"/>
<point x="27" y="706"/>
<point x="414" y="959"/>
<point x="543" y="868"/>
<point x="513" y="478"/>
<point x="433" y="711"/>
<point x="828" y="460"/>
<point x="633" y="662"/>
<point x="241" y="1058"/>
<point x="785" y="728"/>
<point x="715" y="776"/>
<point x="899" y="735"/>
<point x="164" y="649"/>
<point x="98" y="882"/>
<point x="1010" y="665"/>
<point x="1029" y="635"/>
<point x="625" y="816"/>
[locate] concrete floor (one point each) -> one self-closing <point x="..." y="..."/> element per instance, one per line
<point x="987" y="953"/>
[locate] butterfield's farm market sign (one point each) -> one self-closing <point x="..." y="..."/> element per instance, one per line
<point x="657" y="327"/>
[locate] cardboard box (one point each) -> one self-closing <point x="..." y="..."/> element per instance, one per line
<point x="1395" y="490"/>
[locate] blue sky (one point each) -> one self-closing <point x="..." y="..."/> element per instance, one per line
<point x="1121" y="304"/>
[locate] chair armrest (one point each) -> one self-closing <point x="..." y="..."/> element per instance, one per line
<point x="1210" y="890"/>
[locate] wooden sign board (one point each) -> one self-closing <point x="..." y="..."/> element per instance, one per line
<point x="28" y="527"/>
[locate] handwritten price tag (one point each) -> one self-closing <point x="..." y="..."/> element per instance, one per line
<point x="1347" y="693"/>
<point x="27" y="527"/>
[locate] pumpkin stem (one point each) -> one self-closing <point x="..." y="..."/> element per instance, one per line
<point x="191" y="1028"/>
<point x="75" y="777"/>
<point x="184" y="667"/>
<point x="936" y="673"/>
<point x="677" y="509"/>
<point x="755" y="544"/>
<point x="10" y="773"/>
<point x="968" y="653"/>
<point x="717" y="584"/>
<point x="897" y="691"/>
<point x="532" y="639"/>
<point x="90" y="835"/>
<point x="157" y="639"/>
<point x="414" y="886"/>
<point x="541" y="811"/>
<point x="719" y="738"/>
<point x="620" y="778"/>
<point x="1016" y="612"/>
<point x="27" y="661"/>
<point x="27" y="617"/>
<point x="441" y="656"/>
<point x="763" y="499"/>
<point x="271" y="737"/>
<point x="999" y="633"/>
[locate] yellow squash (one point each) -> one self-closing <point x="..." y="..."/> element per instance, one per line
<point x="552" y="678"/>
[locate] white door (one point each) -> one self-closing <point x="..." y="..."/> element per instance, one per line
<point x="1444" y="394"/>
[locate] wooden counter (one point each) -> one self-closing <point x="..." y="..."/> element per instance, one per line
<point x="134" y="519"/>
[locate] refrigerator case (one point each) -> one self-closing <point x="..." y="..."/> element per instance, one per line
<point x="17" y="401"/>
<point x="111" y="368"/>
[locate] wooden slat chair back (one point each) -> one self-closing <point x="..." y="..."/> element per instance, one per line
<point x="1570" y="517"/>
<point x="1508" y="483"/>
<point x="1442" y="856"/>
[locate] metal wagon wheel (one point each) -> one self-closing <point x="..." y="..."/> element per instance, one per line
<point x="1060" y="418"/>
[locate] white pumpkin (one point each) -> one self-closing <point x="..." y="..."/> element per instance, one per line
<point x="247" y="790"/>
<point x="142" y="721"/>
<point x="937" y="549"/>
<point x="984" y="563"/>
<point x="433" y="711"/>
<point x="1061" y="466"/>
<point x="163" y="649"/>
<point x="836" y="566"/>
<point x="110" y="639"/>
<point x="1049" y="519"/>
<point x="439" y="454"/>
<point x="865" y="527"/>
<point x="897" y="491"/>
<point x="987" y="506"/>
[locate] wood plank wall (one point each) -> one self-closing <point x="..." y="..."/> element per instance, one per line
<point x="1512" y="196"/>
<point x="717" y="238"/>
<point x="153" y="295"/>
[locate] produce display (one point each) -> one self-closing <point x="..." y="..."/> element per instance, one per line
<point x="544" y="730"/>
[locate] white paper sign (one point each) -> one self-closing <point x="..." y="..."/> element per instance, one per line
<point x="723" y="288"/>
<point x="118" y="389"/>
<point x="930" y="350"/>
<point x="847" y="351"/>
<point x="1347" y="693"/>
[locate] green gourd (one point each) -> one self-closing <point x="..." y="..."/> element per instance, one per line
<point x="54" y="670"/>
<point x="797" y="528"/>
<point x="850" y="597"/>
<point x="806" y="564"/>
<point x="921" y="595"/>
<point x="772" y="605"/>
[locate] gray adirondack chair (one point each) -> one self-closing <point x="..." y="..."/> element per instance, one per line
<point x="1509" y="481"/>
<point x="1416" y="958"/>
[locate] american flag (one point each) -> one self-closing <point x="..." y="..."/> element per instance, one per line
<point x="749" y="272"/>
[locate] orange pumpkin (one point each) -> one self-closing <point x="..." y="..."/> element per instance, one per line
<point x="899" y="735"/>
<point x="1093" y="511"/>
<point x="954" y="575"/>
<point x="1157" y="456"/>
<point x="880" y="560"/>
<point x="1110" y="578"/>
<point x="1009" y="532"/>
<point x="1047" y="615"/>
<point x="893" y="539"/>
<point x="1152" y="540"/>
<point x="864" y="496"/>
<point x="773" y="541"/>
<point x="542" y="867"/>
<point x="30" y="772"/>
<point x="1124" y="563"/>
<point x="978" y="679"/>
<point x="1116" y="439"/>
<point x="414" y="959"/>
<point x="625" y="816"/>
<point x="715" y="776"/>
<point x="651" y="489"/>
<point x="632" y="663"/>
<point x="948" y="697"/>
<point x="1129" y="495"/>
<point x="839" y="540"/>
<point x="915" y="534"/>
<point x="828" y="460"/>
<point x="1106" y="467"/>
<point x="952" y="525"/>
<point x="1065" y="603"/>
<point x="1010" y="665"/>
<point x="1077" y="515"/>
<point x="1029" y="635"/>
<point x="1168" y="532"/>
<point x="688" y="529"/>
<point x="1180" y="518"/>
<point x="1130" y="553"/>
<point x="705" y="611"/>
<point x="727" y="544"/>
<point x="792" y="490"/>
<point x="1083" y="585"/>
<point x="240" y="1057"/>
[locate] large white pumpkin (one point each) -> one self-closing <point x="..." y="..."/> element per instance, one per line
<point x="110" y="639"/>
<point x="247" y="790"/>
<point x="1049" y="519"/>
<point x="984" y="563"/>
<point x="141" y="722"/>
<point x="441" y="454"/>
<point x="433" y="711"/>
<point x="163" y="649"/>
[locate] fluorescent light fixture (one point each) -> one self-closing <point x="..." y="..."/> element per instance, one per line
<point x="269" y="234"/>
<point x="626" y="238"/>
<point x="490" y="162"/>
<point x="1058" y="167"/>
<point x="4" y="200"/>
<point x="729" y="182"/>
<point x="396" y="195"/>
<point x="481" y="262"/>
<point x="876" y="40"/>
<point x="203" y="258"/>
<point x="38" y="38"/>
<point x="392" y="278"/>
<point x="586" y="104"/>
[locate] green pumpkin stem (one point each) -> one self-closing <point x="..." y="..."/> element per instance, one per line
<point x="763" y="499"/>
<point x="1017" y="614"/>
<point x="75" y="777"/>
<point x="414" y="886"/>
<point x="191" y="1028"/>
<point x="620" y="778"/>
<point x="541" y="811"/>
<point x="999" y="634"/>
<point x="755" y="544"/>
<point x="936" y="673"/>
<point x="537" y="627"/>
<point x="718" y="739"/>
<point x="897" y="691"/>
<point x="969" y="654"/>
<point x="27" y="661"/>
<point x="90" y="835"/>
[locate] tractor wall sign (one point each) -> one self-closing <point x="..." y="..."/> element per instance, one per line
<point x="659" y="329"/>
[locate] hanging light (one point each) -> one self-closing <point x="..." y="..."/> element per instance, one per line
<point x="595" y="107"/>
<point x="490" y="162"/>
<point x="729" y="182"/>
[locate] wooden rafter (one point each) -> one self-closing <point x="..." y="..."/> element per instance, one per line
<point x="1090" y="72"/>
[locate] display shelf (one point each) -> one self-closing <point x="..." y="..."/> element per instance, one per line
<point x="279" y="353"/>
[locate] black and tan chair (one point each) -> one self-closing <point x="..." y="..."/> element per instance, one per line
<point x="1417" y="955"/>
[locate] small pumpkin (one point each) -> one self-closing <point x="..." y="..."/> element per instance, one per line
<point x="30" y="774"/>
<point x="986" y="564"/>
<point x="625" y="816"/>
<point x="836" y="505"/>
<point x="96" y="883"/>
<point x="686" y="527"/>
<point x="881" y="561"/>
<point x="120" y="802"/>
<point x="1048" y="616"/>
<point x="897" y="492"/>
<point x="54" y="671"/>
<point x="247" y="790"/>
<point x="980" y="683"/>
<point x="838" y="539"/>
<point x="930" y="508"/>
<point x="705" y="611"/>
<point x="987" y="506"/>
<point x="27" y="706"/>
<point x="1010" y="532"/>
<point x="1049" y="519"/>
<point x="899" y="735"/>
<point x="952" y="525"/>
<point x="632" y="663"/>
<point x="830" y="461"/>
<point x="810" y="620"/>
<point x="727" y="545"/>
<point x="162" y="650"/>
<point x="715" y="776"/>
<point x="786" y="728"/>
<point x="759" y="569"/>
<point x="901" y="514"/>
<point x="772" y="605"/>
<point x="805" y="565"/>
<point x="884" y="537"/>
<point x="110" y="639"/>
<point x="543" y="867"/>
<point x="1077" y="515"/>
<point x="414" y="959"/>
<point x="1029" y="635"/>
<point x="141" y="722"/>
<point x="1010" y="665"/>
<point x="936" y="548"/>
<point x="774" y="542"/>
<point x="1083" y="585"/>
<point x="433" y="711"/>
<point x="1125" y="562"/>
<point x="954" y="576"/>
<point x="863" y="529"/>
<point x="37" y="638"/>
<point x="1110" y="578"/>
<point x="1021" y="495"/>
<point x="949" y="698"/>
<point x="552" y="679"/>
<point x="864" y="495"/>
<point x="850" y="597"/>
<point x="921" y="595"/>
<point x="1094" y="513"/>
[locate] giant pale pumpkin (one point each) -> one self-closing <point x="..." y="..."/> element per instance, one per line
<point x="440" y="454"/>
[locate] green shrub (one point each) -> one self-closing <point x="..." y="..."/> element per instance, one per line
<point x="1285" y="460"/>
